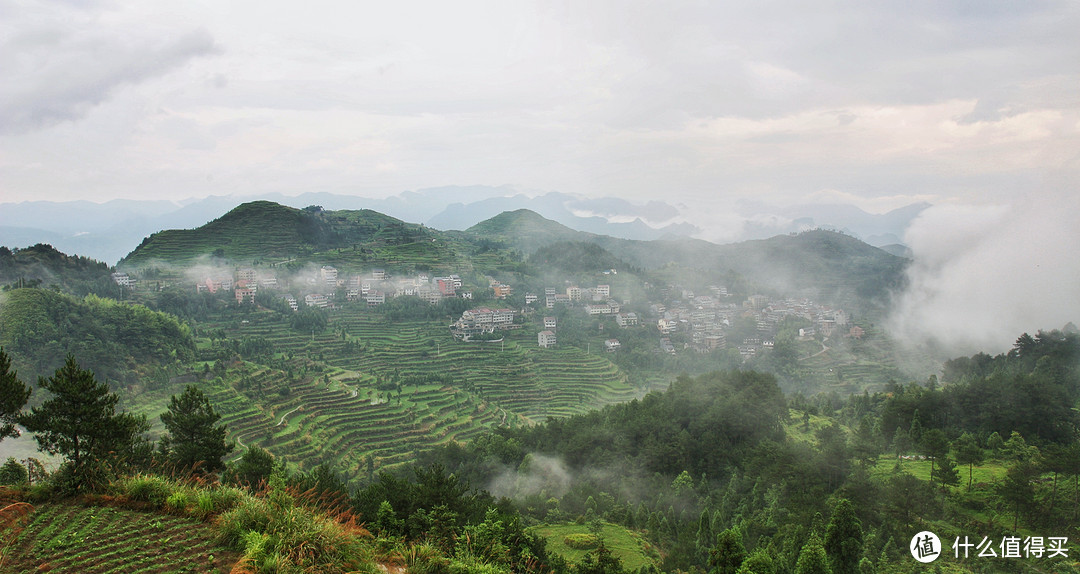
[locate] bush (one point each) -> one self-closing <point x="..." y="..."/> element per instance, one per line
<point x="217" y="500"/>
<point x="426" y="558"/>
<point x="177" y="502"/>
<point x="581" y="541"/>
<point x="147" y="488"/>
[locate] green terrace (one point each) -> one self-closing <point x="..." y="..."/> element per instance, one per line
<point x="367" y="387"/>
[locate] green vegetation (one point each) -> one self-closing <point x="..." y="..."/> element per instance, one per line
<point x="193" y="440"/>
<point x="574" y="541"/>
<point x="715" y="464"/>
<point x="43" y="266"/>
<point x="117" y="341"/>
<point x="91" y="539"/>
<point x="80" y="422"/>
<point x="13" y="396"/>
<point x="378" y="416"/>
<point x="253" y="230"/>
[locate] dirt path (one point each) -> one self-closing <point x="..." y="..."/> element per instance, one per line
<point x="282" y="421"/>
<point x="823" y="350"/>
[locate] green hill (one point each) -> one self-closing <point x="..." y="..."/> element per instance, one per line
<point x="576" y="257"/>
<point x="263" y="230"/>
<point x="42" y="265"/>
<point x="256" y="229"/>
<point x="117" y="341"/>
<point x="526" y="230"/>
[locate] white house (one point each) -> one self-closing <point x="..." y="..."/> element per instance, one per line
<point x="545" y="339"/>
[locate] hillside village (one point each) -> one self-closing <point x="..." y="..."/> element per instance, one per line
<point x="684" y="321"/>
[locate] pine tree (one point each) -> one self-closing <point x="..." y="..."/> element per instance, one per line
<point x="844" y="539"/>
<point x="13" y="397"/>
<point x="191" y="440"/>
<point x="812" y="559"/>
<point x="968" y="452"/>
<point x="935" y="446"/>
<point x="946" y="474"/>
<point x="758" y="562"/>
<point x="254" y="467"/>
<point x="80" y="421"/>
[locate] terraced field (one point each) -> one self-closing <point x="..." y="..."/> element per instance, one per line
<point x="94" y="539"/>
<point x="367" y="388"/>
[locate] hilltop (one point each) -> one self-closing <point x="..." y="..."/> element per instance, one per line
<point x="43" y="265"/>
<point x="256" y="229"/>
<point x="821" y="264"/>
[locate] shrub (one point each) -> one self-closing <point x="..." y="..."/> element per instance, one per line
<point x="177" y="502"/>
<point x="581" y="541"/>
<point x="216" y="501"/>
<point x="147" y="488"/>
<point x="426" y="558"/>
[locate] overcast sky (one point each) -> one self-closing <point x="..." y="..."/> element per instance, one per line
<point x="973" y="106"/>
<point x="876" y="103"/>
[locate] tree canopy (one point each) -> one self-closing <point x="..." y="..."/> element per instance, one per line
<point x="80" y="422"/>
<point x="192" y="441"/>
<point x="13" y="396"/>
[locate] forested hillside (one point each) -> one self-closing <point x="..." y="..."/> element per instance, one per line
<point x="719" y="467"/>
<point x="42" y="265"/>
<point x="120" y="342"/>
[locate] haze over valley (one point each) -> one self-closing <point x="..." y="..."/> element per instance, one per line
<point x="579" y="288"/>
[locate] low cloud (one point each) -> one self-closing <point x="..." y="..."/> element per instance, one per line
<point x="68" y="59"/>
<point x="981" y="276"/>
<point x="537" y="474"/>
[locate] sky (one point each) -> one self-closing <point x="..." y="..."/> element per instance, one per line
<point x="972" y="106"/>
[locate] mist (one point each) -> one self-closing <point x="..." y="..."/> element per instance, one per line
<point x="537" y="474"/>
<point x="981" y="276"/>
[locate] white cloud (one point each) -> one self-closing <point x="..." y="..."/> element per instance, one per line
<point x="683" y="101"/>
<point x="61" y="61"/>
<point x="983" y="275"/>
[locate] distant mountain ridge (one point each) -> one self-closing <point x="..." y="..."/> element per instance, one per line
<point x="818" y="264"/>
<point x="106" y="231"/>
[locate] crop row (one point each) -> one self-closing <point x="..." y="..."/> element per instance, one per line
<point x="73" y="538"/>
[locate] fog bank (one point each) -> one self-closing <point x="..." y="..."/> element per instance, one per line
<point x="983" y="275"/>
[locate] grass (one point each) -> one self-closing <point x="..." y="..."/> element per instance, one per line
<point x="982" y="475"/>
<point x="628" y="546"/>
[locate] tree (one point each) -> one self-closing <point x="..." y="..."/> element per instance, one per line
<point x="80" y="421"/>
<point x="968" y="452"/>
<point x="935" y="446"/>
<point x="191" y="440"/>
<point x="1017" y="489"/>
<point x="844" y="538"/>
<point x="728" y="554"/>
<point x="758" y="562"/>
<point x="945" y="473"/>
<point x="812" y="558"/>
<point x="13" y="473"/>
<point x="254" y="467"/>
<point x="13" y="397"/>
<point x="600" y="561"/>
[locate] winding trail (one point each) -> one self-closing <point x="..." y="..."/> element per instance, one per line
<point x="282" y="421"/>
<point x="823" y="350"/>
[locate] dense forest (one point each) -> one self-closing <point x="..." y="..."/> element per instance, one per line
<point x="121" y="343"/>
